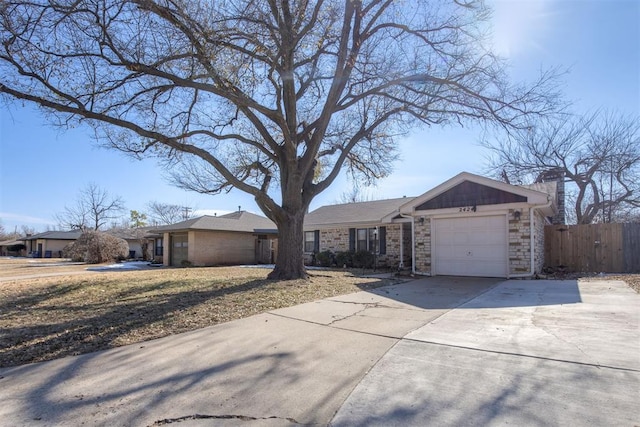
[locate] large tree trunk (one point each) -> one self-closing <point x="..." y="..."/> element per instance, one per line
<point x="290" y="261"/>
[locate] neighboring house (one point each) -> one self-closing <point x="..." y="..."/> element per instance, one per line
<point x="236" y="238"/>
<point x="467" y="226"/>
<point x="140" y="240"/>
<point x="50" y="243"/>
<point x="8" y="247"/>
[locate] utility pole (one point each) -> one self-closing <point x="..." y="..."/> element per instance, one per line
<point x="186" y="213"/>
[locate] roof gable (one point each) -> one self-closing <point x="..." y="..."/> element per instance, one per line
<point x="469" y="193"/>
<point x="465" y="188"/>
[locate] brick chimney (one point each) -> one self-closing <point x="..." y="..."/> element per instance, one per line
<point x="557" y="175"/>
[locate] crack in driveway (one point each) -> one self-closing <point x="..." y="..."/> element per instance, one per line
<point x="340" y="318"/>
<point x="547" y="330"/>
<point x="221" y="417"/>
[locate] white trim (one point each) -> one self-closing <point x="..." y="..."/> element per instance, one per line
<point x="401" y="264"/>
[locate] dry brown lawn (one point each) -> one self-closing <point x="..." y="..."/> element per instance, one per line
<point x="21" y="267"/>
<point x="52" y="308"/>
<point x="72" y="311"/>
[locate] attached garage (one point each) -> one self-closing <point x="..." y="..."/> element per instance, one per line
<point x="475" y="226"/>
<point x="179" y="249"/>
<point x="470" y="246"/>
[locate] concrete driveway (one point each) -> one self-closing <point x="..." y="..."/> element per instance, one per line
<point x="525" y="353"/>
<point x="435" y="351"/>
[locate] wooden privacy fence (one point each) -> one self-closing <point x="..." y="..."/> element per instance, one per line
<point x="607" y="248"/>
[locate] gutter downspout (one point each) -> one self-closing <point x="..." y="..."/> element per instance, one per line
<point x="532" y="268"/>
<point x="413" y="241"/>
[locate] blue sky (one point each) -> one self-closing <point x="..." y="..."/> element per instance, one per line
<point x="43" y="168"/>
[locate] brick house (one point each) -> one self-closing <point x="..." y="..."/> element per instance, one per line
<point x="467" y="226"/>
<point x="236" y="238"/>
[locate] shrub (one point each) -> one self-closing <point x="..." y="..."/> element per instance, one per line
<point x="325" y="258"/>
<point x="363" y="259"/>
<point x="94" y="247"/>
<point x="344" y="259"/>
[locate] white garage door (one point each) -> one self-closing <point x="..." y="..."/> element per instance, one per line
<point x="474" y="246"/>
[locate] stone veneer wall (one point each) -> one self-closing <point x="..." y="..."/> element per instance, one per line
<point x="423" y="246"/>
<point x="334" y="239"/>
<point x="406" y="242"/>
<point x="337" y="240"/>
<point x="539" y="223"/>
<point x="519" y="242"/>
<point x="392" y="257"/>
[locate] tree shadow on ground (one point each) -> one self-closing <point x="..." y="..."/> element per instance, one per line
<point x="445" y="292"/>
<point x="94" y="326"/>
<point x="423" y="384"/>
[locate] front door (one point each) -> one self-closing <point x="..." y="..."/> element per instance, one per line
<point x="264" y="251"/>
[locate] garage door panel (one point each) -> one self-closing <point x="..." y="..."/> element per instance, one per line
<point x="473" y="246"/>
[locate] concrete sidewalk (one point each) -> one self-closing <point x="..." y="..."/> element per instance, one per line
<point x="287" y="367"/>
<point x="533" y="353"/>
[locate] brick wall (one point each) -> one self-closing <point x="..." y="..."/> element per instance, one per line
<point x="539" y="224"/>
<point x="392" y="258"/>
<point x="334" y="240"/>
<point x="423" y="246"/>
<point x="519" y="242"/>
<point x="208" y="248"/>
<point x="337" y="240"/>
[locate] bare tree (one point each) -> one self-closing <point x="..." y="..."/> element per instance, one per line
<point x="4" y="235"/>
<point x="599" y="154"/>
<point x="25" y="230"/>
<point x="93" y="209"/>
<point x="166" y="213"/>
<point x="272" y="97"/>
<point x="355" y="194"/>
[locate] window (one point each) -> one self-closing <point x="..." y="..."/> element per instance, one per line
<point x="159" y="247"/>
<point x="361" y="239"/>
<point x="370" y="239"/>
<point x="310" y="241"/>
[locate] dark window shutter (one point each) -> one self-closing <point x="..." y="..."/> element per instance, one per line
<point x="382" y="235"/>
<point x="352" y="239"/>
<point x="316" y="241"/>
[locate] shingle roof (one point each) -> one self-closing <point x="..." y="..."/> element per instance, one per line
<point x="133" y="233"/>
<point x="353" y="213"/>
<point x="12" y="242"/>
<point x="56" y="235"/>
<point x="236" y="221"/>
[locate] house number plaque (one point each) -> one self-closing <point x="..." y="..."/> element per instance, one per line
<point x="467" y="209"/>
